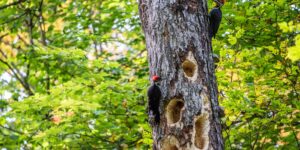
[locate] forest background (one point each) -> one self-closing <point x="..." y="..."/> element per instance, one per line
<point x="74" y="74"/>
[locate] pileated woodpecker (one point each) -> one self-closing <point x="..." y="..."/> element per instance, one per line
<point x="154" y="95"/>
<point x="215" y="17"/>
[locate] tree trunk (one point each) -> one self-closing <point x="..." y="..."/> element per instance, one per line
<point x="179" y="51"/>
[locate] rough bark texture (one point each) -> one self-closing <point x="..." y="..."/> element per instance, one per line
<point x="179" y="51"/>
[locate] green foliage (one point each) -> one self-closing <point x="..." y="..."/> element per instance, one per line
<point x="73" y="75"/>
<point x="90" y="111"/>
<point x="294" y="51"/>
<point x="259" y="85"/>
<point x="64" y="85"/>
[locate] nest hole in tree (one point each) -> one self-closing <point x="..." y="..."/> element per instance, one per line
<point x="202" y="129"/>
<point x="189" y="68"/>
<point x="170" y="147"/>
<point x="170" y="143"/>
<point x="173" y="113"/>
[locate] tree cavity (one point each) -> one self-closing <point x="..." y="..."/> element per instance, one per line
<point x="201" y="130"/>
<point x="190" y="67"/>
<point x="173" y="111"/>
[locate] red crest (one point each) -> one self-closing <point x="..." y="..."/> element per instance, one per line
<point x="155" y="78"/>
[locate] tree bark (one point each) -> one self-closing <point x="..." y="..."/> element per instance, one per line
<point x="179" y="51"/>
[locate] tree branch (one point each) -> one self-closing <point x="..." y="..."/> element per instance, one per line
<point x="10" y="129"/>
<point x="13" y="19"/>
<point x="16" y="72"/>
<point x="12" y="4"/>
<point x="2" y="36"/>
<point x="41" y="24"/>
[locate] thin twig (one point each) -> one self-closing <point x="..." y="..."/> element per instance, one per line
<point x="23" y="40"/>
<point x="43" y="40"/>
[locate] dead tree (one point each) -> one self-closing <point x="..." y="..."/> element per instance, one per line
<point x="179" y="51"/>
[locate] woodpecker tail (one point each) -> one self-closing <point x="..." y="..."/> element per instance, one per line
<point x="157" y="118"/>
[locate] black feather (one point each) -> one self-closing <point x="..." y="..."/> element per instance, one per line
<point x="215" y="17"/>
<point x="154" y="95"/>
